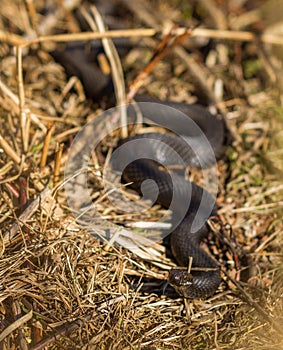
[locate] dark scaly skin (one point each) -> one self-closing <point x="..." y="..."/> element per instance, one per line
<point x="184" y="243"/>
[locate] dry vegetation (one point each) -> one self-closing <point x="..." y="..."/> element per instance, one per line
<point x="60" y="287"/>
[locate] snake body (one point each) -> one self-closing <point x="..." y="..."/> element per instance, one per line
<point x="204" y="278"/>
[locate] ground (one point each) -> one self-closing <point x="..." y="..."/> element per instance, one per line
<point x="60" y="287"/>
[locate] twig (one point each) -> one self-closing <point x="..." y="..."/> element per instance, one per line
<point x="15" y="325"/>
<point x="58" y="157"/>
<point x="262" y="208"/>
<point x="46" y="145"/>
<point x="150" y="32"/>
<point x="9" y="150"/>
<point x="163" y="49"/>
<point x="85" y="36"/>
<point x="23" y="113"/>
<point x="32" y="15"/>
<point x="23" y="192"/>
<point x="12" y="39"/>
<point x="238" y="36"/>
<point x="116" y="71"/>
<point x="9" y="93"/>
<point x="190" y="264"/>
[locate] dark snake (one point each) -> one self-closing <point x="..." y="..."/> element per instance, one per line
<point x="204" y="277"/>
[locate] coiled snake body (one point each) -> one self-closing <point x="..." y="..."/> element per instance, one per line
<point x="185" y="242"/>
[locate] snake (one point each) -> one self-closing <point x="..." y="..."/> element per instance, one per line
<point x="204" y="277"/>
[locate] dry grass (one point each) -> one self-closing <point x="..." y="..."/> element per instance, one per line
<point x="61" y="288"/>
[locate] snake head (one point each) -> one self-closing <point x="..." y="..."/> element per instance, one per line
<point x="192" y="287"/>
<point x="185" y="285"/>
<point x="179" y="278"/>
